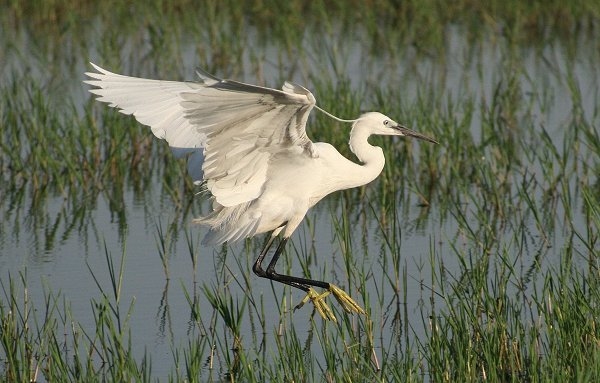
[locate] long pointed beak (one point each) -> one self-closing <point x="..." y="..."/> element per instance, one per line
<point x="411" y="133"/>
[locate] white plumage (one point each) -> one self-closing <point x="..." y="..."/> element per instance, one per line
<point x="249" y="145"/>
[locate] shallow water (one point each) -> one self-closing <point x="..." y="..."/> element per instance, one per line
<point x="59" y="255"/>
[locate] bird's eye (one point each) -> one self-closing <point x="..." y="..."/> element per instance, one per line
<point x="386" y="122"/>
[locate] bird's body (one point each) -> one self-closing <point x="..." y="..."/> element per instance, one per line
<point x="295" y="183"/>
<point x="248" y="145"/>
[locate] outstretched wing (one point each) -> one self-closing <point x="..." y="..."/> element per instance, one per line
<point x="234" y="128"/>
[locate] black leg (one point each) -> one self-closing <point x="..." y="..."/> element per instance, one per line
<point x="304" y="283"/>
<point x="270" y="273"/>
<point x="301" y="283"/>
<point x="257" y="268"/>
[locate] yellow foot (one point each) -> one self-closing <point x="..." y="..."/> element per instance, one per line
<point x="342" y="297"/>
<point x="319" y="301"/>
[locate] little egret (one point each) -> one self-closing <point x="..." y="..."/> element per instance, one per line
<point x="248" y="145"/>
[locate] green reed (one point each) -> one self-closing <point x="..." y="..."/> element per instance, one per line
<point x="522" y="302"/>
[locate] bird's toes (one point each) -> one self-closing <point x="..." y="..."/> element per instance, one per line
<point x="345" y="300"/>
<point x="319" y="301"/>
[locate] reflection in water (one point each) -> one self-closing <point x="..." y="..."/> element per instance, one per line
<point x="503" y="193"/>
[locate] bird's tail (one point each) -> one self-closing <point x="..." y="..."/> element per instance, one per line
<point x="228" y="224"/>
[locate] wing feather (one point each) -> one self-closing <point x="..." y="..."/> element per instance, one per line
<point x="157" y="104"/>
<point x="233" y="129"/>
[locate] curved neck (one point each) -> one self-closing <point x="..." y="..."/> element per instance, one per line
<point x="371" y="156"/>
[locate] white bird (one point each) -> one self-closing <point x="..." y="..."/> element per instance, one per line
<point x="248" y="144"/>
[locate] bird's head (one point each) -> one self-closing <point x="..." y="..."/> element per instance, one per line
<point x="381" y="124"/>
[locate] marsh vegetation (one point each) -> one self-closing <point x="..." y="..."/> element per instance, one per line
<point x="476" y="259"/>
